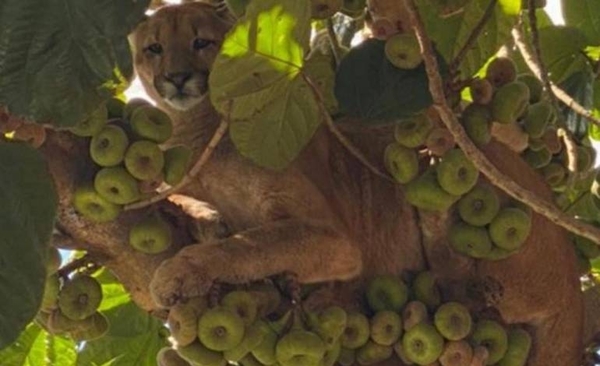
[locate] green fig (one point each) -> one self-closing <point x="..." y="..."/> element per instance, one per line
<point x="413" y="132"/>
<point x="116" y="185"/>
<point x="197" y="354"/>
<point x="422" y="344"/>
<point x="357" y="331"/>
<point x="331" y="323"/>
<point x="58" y="323"/>
<point x="167" y="356"/>
<point x="479" y="206"/>
<point x="426" y="290"/>
<point x="456" y="174"/>
<point x="386" y="327"/>
<point x="265" y="351"/>
<point x="91" y="328"/>
<point x="539" y="116"/>
<point x="440" y="141"/>
<point x="151" y="235"/>
<point x="372" y="353"/>
<point x="386" y="292"/>
<point x="456" y="353"/>
<point x="332" y="353"/>
<point x="477" y="122"/>
<point x="510" y="102"/>
<point x="183" y="320"/>
<point x="300" y="348"/>
<point x="132" y="105"/>
<point x="481" y="91"/>
<point x="510" y="228"/>
<point x="401" y="162"/>
<point x="107" y="147"/>
<point x="453" y="321"/>
<point x="92" y="206"/>
<point x="80" y="297"/>
<point x="537" y="159"/>
<point x="519" y="345"/>
<point x="353" y="8"/>
<point x="424" y="192"/>
<point x="535" y="87"/>
<point x="150" y="123"/>
<point x="177" y="163"/>
<point x="492" y="336"/>
<point x="414" y="312"/>
<point x="501" y="71"/>
<point x="403" y="51"/>
<point x="243" y="304"/>
<point x="470" y="240"/>
<point x="93" y="124"/>
<point x="144" y="160"/>
<point x="249" y="360"/>
<point x="347" y="357"/>
<point x="220" y="329"/>
<point x="554" y="174"/>
<point x="253" y="337"/>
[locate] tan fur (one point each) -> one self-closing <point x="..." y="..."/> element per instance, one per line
<point x="326" y="217"/>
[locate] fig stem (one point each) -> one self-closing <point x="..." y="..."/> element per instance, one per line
<point x="333" y="42"/>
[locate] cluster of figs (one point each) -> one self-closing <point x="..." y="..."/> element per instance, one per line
<point x="125" y="146"/>
<point x="252" y="326"/>
<point x="70" y="304"/>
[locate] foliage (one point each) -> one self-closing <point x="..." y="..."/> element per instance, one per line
<point x="62" y="59"/>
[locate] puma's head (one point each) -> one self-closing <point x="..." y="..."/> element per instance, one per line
<point x="174" y="50"/>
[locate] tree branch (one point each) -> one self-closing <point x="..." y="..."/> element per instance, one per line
<point x="455" y="64"/>
<point x="499" y="179"/>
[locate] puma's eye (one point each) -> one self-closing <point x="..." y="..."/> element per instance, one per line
<point x="155" y="48"/>
<point x="200" y="43"/>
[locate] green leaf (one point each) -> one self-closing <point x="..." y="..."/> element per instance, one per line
<point x="27" y="216"/>
<point x="134" y="338"/>
<point x="36" y="347"/>
<point x="368" y="86"/>
<point x="450" y="34"/>
<point x="579" y="86"/>
<point x="562" y="52"/>
<point x="113" y="292"/>
<point x="272" y="110"/>
<point x="583" y="15"/>
<point x="274" y="136"/>
<point x="265" y="47"/>
<point x="61" y="58"/>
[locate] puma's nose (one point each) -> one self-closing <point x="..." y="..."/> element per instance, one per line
<point x="178" y="79"/>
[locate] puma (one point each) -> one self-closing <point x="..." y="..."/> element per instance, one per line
<point x="328" y="218"/>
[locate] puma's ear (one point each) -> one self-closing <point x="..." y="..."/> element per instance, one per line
<point x="224" y="13"/>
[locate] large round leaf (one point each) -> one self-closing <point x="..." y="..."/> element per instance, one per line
<point x="60" y="58"/>
<point x="27" y="216"/>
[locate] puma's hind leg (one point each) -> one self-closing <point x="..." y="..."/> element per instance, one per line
<point x="314" y="253"/>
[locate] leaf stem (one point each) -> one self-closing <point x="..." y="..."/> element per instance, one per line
<point x="333" y="42"/>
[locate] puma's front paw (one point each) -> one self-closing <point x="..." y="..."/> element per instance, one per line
<point x="181" y="277"/>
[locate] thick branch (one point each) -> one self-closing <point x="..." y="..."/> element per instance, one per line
<point x="107" y="243"/>
<point x="436" y="88"/>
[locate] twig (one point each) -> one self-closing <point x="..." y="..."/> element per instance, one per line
<point x="499" y="179"/>
<point x="455" y="64"/>
<point x="333" y="42"/>
<point x="560" y="94"/>
<point x="537" y="55"/>
<point x="73" y="265"/>
<point x="191" y="174"/>
<point x="571" y="148"/>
